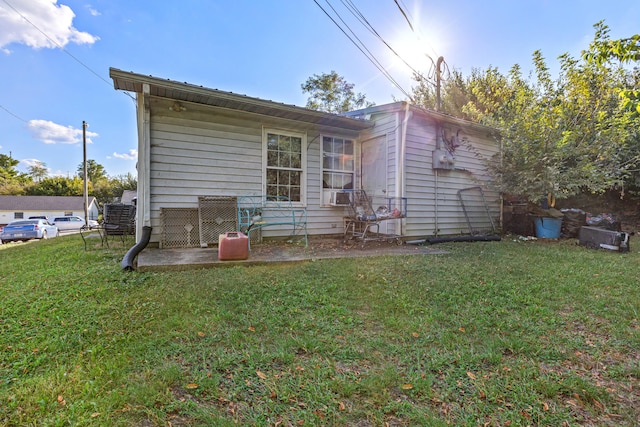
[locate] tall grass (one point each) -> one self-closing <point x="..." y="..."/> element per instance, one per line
<point x="491" y="333"/>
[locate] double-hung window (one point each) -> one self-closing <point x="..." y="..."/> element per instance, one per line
<point x="338" y="164"/>
<point x="285" y="154"/>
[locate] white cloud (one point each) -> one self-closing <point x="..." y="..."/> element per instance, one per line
<point x="93" y="11"/>
<point x="30" y="162"/>
<point x="131" y="155"/>
<point x="53" y="133"/>
<point x="25" y="164"/>
<point x="25" y="21"/>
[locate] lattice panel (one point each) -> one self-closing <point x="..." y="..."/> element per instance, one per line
<point x="256" y="234"/>
<point x="180" y="228"/>
<point x="217" y="215"/>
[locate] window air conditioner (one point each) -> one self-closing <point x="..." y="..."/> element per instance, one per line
<point x="339" y="198"/>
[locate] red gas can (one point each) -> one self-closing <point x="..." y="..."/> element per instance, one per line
<point x="233" y="245"/>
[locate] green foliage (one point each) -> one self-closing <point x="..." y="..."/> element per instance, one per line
<point x="332" y="93"/>
<point x="489" y="333"/>
<point x="12" y="182"/>
<point x="107" y="190"/>
<point x="57" y="186"/>
<point x="576" y="133"/>
<point x="38" y="171"/>
<point x="95" y="171"/>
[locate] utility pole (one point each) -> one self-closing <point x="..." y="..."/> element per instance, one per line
<point x="84" y="172"/>
<point x="438" y="80"/>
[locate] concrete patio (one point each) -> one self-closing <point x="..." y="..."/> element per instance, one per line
<point x="154" y="259"/>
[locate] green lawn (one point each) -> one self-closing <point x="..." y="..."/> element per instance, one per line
<point x="490" y="334"/>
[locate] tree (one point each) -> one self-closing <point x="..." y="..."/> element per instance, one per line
<point x="38" y="170"/>
<point x="603" y="50"/>
<point x="57" y="186"/>
<point x="8" y="167"/>
<point x="109" y="190"/>
<point x="95" y="171"/>
<point x="564" y="136"/>
<point x="333" y="94"/>
<point x="12" y="182"/>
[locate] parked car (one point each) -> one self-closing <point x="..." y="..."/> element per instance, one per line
<point x="73" y="222"/>
<point x="27" y="229"/>
<point x="46" y="218"/>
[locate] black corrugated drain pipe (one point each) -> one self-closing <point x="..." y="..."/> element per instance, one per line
<point x="434" y="240"/>
<point x="130" y="256"/>
<point x="464" y="239"/>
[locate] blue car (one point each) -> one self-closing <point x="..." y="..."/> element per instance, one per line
<point x="27" y="229"/>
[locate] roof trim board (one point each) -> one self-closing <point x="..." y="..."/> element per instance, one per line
<point x="132" y="82"/>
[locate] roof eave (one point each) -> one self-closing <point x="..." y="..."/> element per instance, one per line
<point x="132" y="82"/>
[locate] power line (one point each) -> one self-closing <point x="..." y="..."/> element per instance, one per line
<point x="405" y="15"/>
<point x="369" y="54"/>
<point x="14" y="115"/>
<point x="356" y="12"/>
<point x="361" y="47"/>
<point x="403" y="10"/>
<point x="62" y="47"/>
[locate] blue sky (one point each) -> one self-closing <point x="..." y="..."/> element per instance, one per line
<point x="55" y="56"/>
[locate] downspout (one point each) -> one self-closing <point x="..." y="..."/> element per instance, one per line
<point x="436" y="171"/>
<point x="396" y="184"/>
<point x="144" y="159"/>
<point x="438" y="139"/>
<point x="143" y="216"/>
<point x="402" y="162"/>
<point x="435" y="204"/>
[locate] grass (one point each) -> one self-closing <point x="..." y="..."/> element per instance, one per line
<point x="490" y="334"/>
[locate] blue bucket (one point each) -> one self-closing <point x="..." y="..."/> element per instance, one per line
<point x="547" y="228"/>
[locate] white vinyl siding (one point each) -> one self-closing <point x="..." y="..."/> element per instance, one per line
<point x="211" y="151"/>
<point x="207" y="151"/>
<point x="434" y="207"/>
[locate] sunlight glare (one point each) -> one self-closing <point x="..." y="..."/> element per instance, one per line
<point x="420" y="48"/>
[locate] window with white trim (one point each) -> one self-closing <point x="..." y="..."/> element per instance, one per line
<point x="338" y="165"/>
<point x="285" y="154"/>
<point x="18" y="215"/>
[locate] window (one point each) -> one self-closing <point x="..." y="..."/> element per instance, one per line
<point x="285" y="164"/>
<point x="18" y="215"/>
<point x="337" y="163"/>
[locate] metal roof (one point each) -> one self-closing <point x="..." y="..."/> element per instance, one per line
<point x="435" y="115"/>
<point x="132" y="82"/>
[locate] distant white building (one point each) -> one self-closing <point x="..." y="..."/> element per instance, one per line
<point x="22" y="207"/>
<point x="128" y="196"/>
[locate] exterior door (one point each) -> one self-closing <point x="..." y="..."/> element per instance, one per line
<point x="374" y="166"/>
<point x="374" y="173"/>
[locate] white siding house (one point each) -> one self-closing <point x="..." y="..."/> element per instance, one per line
<point x="412" y="141"/>
<point x="194" y="141"/>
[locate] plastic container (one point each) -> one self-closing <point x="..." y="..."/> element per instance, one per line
<point x="233" y="245"/>
<point x="547" y="227"/>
